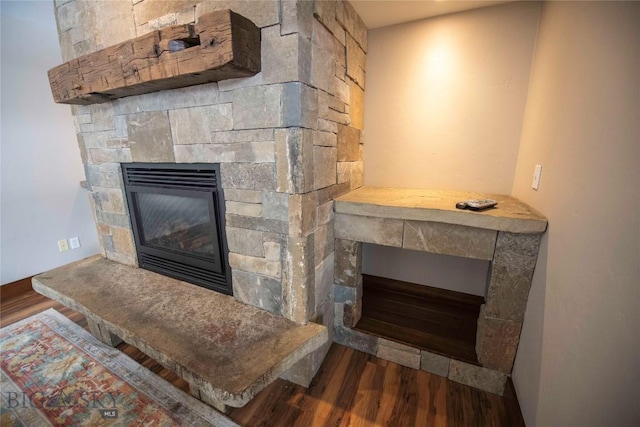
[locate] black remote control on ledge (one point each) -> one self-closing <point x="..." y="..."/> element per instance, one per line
<point x="476" y="204"/>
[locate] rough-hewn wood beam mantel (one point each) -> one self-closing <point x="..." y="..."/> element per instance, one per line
<point x="221" y="45"/>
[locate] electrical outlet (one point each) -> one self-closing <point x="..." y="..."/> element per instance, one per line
<point x="63" y="246"/>
<point x="537" y="172"/>
<point x="74" y="242"/>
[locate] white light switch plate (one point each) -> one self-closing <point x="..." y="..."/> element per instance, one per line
<point x="536" y="177"/>
<point x="74" y="243"/>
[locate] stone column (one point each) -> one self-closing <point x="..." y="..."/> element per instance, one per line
<point x="348" y="281"/>
<point x="506" y="297"/>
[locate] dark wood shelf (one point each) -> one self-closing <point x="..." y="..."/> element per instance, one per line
<point x="437" y="320"/>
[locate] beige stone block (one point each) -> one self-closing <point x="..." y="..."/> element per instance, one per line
<point x="344" y="172"/>
<point x="324" y="242"/>
<point x="245" y="242"/>
<point x="150" y="137"/>
<point x="324" y="139"/>
<point x="106" y="175"/>
<point x="255" y="265"/>
<point x="497" y="342"/>
<point x="249" y="135"/>
<point x="257" y="223"/>
<point x="356" y="62"/>
<point x="272" y="251"/>
<point x="257" y="107"/>
<point x="325" y="12"/>
<point x="381" y="231"/>
<point x="104" y="155"/>
<point x="194" y="125"/>
<point x="245" y="152"/>
<point x="349" y="19"/>
<point x="173" y="99"/>
<point x="263" y="13"/>
<point x="101" y="118"/>
<point x="348" y="263"/>
<point x="517" y="251"/>
<point x="245" y="209"/>
<point x="327" y="126"/>
<point x="325" y="213"/>
<point x="322" y="69"/>
<point x="302" y="213"/>
<point x="357" y="174"/>
<point x="163" y="21"/>
<point x="398" y="353"/>
<point x="299" y="279"/>
<point x="123" y="241"/>
<point x="449" y="239"/>
<point x="352" y="315"/>
<point x="434" y="363"/>
<point x="324" y="278"/>
<point x="324" y="166"/>
<point x="330" y="193"/>
<point x="186" y="15"/>
<point x="247" y="196"/>
<point x="248" y="176"/>
<point x="258" y="291"/>
<point x="275" y="206"/>
<point x="356" y="105"/>
<point x="507" y="293"/>
<point x="475" y="376"/>
<point x="282" y="57"/>
<point x="294" y="160"/>
<point x="115" y="202"/>
<point x="357" y="340"/>
<point x="348" y="144"/>
<point x="296" y="17"/>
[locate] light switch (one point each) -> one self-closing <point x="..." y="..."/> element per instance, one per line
<point x="537" y="172"/>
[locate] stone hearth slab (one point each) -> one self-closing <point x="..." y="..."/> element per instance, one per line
<point x="510" y="215"/>
<point x="226" y="350"/>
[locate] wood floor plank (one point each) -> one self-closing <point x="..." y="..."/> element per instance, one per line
<point x="432" y="400"/>
<point x="351" y="389"/>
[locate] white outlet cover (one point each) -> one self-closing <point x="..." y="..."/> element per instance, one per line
<point x="63" y="246"/>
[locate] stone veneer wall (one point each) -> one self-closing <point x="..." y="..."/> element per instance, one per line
<point x="288" y="139"/>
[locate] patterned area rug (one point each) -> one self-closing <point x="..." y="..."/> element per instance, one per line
<point x="56" y="373"/>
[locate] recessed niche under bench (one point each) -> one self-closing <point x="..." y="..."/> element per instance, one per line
<point x="508" y="237"/>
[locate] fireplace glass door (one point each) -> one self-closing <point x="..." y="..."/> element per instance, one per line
<point x="177" y="218"/>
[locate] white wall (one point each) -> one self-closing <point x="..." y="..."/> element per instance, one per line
<point x="578" y="363"/>
<point x="444" y="103"/>
<point x="42" y="201"/>
<point x="445" y="99"/>
<point x="441" y="271"/>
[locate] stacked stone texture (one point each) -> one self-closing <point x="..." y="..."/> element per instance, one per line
<point x="512" y="259"/>
<point x="288" y="140"/>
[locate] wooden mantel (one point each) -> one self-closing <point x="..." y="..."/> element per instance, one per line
<point x="221" y="45"/>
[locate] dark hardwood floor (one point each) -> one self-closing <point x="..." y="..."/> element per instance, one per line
<point x="424" y="317"/>
<point x="351" y="389"/>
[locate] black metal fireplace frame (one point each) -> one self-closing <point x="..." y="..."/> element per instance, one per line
<point x="194" y="180"/>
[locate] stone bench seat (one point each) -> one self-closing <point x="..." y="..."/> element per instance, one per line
<point x="227" y="351"/>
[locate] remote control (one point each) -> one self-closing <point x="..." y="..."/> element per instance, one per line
<point x="476" y="204"/>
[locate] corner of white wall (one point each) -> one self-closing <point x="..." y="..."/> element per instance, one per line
<point x="42" y="201"/>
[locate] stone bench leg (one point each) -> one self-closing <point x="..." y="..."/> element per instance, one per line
<point x="100" y="331"/>
<point x="201" y="395"/>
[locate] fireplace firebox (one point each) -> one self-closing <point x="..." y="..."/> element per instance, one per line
<point x="177" y="214"/>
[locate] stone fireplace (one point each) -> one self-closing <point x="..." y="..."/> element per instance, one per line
<point x="288" y="140"/>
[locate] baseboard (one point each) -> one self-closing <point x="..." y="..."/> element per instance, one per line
<point x="15" y="289"/>
<point x="512" y="406"/>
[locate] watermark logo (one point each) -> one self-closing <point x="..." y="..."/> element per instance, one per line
<point x="105" y="402"/>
